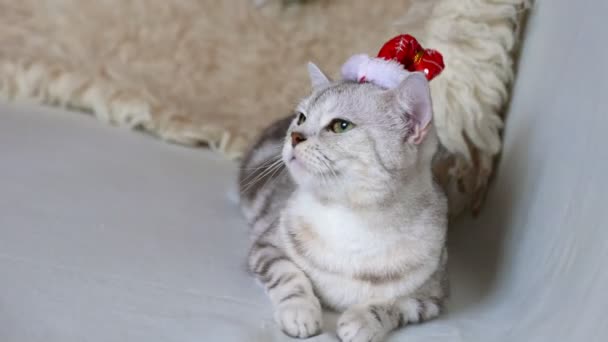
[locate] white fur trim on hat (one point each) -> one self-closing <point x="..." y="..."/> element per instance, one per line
<point x="384" y="73"/>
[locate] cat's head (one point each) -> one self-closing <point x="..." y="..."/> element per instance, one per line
<point x="348" y="137"/>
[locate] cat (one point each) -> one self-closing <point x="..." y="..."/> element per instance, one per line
<point x="344" y="211"/>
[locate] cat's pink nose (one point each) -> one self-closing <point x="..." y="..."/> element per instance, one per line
<point x="296" y="138"/>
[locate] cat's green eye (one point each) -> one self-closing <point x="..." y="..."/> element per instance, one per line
<point x="301" y="119"/>
<point x="340" y="126"/>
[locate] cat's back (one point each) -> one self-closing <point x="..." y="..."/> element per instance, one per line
<point x="264" y="183"/>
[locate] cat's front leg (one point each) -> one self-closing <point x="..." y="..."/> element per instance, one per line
<point x="297" y="309"/>
<point x="373" y="322"/>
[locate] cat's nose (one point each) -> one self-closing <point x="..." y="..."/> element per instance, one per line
<point x="296" y="138"/>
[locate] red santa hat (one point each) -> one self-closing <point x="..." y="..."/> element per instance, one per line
<point x="396" y="59"/>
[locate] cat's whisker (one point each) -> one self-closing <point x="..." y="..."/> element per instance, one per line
<point x="274" y="176"/>
<point x="250" y="185"/>
<point x="280" y="169"/>
<point x="254" y="175"/>
<point x="328" y="164"/>
<point x="274" y="152"/>
<point x="276" y="165"/>
<point x="263" y="165"/>
<point x="322" y="159"/>
<point x="268" y="170"/>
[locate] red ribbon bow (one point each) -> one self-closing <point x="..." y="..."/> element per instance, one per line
<point x="406" y="50"/>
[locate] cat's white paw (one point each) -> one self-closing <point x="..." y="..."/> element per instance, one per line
<point x="358" y="325"/>
<point x="300" y="319"/>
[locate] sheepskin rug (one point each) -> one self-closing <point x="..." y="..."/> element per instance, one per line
<point x="216" y="72"/>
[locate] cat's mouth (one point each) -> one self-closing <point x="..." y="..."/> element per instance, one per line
<point x="294" y="162"/>
<point x="290" y="157"/>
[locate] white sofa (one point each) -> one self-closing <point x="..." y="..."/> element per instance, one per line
<point x="106" y="235"/>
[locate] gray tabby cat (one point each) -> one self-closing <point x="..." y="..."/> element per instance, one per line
<point x="344" y="210"/>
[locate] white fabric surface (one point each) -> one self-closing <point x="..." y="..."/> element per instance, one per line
<point x="106" y="235"/>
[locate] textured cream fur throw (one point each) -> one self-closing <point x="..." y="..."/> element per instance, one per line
<point x="215" y="72"/>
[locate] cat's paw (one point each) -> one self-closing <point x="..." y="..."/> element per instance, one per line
<point x="360" y="325"/>
<point x="299" y="319"/>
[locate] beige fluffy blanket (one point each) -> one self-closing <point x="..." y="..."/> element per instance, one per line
<point x="215" y="72"/>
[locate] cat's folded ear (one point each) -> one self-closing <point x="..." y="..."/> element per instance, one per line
<point x="414" y="98"/>
<point x="317" y="77"/>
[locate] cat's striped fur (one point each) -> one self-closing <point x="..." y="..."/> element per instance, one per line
<point x="376" y="254"/>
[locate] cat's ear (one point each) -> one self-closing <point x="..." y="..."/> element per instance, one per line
<point x="414" y="98"/>
<point x="317" y="77"/>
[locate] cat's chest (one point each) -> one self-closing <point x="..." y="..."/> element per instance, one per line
<point x="338" y="227"/>
<point x="338" y="239"/>
<point x="345" y="258"/>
